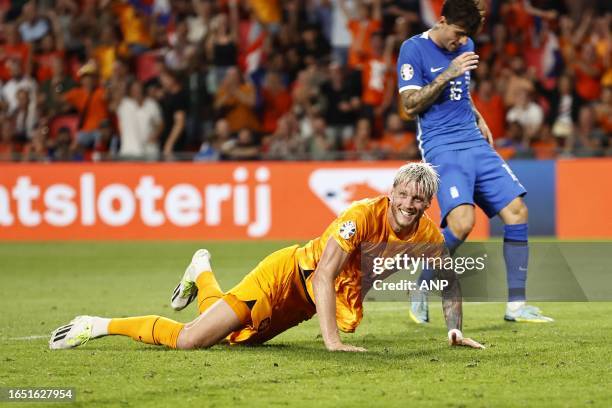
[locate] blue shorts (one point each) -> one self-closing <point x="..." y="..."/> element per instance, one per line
<point x="475" y="176"/>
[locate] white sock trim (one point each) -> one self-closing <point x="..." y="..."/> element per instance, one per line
<point x="516" y="305"/>
<point x="100" y="327"/>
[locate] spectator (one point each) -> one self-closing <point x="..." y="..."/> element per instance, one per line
<point x="588" y="70"/>
<point x="37" y="149"/>
<point x="59" y="147"/>
<point x="235" y="101"/>
<point x="245" y="147"/>
<point x="361" y="25"/>
<point x="9" y="148"/>
<point x="589" y="139"/>
<point x="396" y="142"/>
<point x="342" y="102"/>
<point x="545" y="145"/>
<point x="491" y="106"/>
<point x="140" y="124"/>
<point x="222" y="44"/>
<point x="24" y="116"/>
<point x="376" y="81"/>
<point x="564" y="107"/>
<point x="182" y="52"/>
<point x="14" y="49"/>
<point x="527" y="113"/>
<point x="321" y="144"/>
<point x="135" y="25"/>
<point x="51" y="49"/>
<point x="174" y="111"/>
<point x="514" y="144"/>
<point x="340" y="37"/>
<point x="90" y="102"/>
<point x="52" y="89"/>
<point x="33" y="25"/>
<point x="198" y="23"/>
<point x="361" y="146"/>
<point x="19" y="80"/>
<point x="106" y="52"/>
<point x="276" y="101"/>
<point x="285" y="143"/>
<point x="516" y="80"/>
<point x="223" y="138"/>
<point x="313" y="47"/>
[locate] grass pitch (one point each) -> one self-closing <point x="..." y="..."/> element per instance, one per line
<point x="44" y="285"/>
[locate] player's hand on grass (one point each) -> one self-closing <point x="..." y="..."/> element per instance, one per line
<point x="455" y="338"/>
<point x="345" y="347"/>
<point x="467" y="61"/>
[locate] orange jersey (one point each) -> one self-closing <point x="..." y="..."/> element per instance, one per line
<point x="357" y="231"/>
<point x="360" y="48"/>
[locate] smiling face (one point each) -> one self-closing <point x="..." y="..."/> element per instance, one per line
<point x="407" y="205"/>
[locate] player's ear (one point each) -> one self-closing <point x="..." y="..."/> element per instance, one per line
<point x="442" y="20"/>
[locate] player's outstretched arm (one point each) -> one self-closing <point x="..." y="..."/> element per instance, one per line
<point x="417" y="100"/>
<point x="452" y="301"/>
<point x="323" y="285"/>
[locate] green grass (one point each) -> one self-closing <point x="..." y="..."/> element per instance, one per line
<point x="43" y="285"/>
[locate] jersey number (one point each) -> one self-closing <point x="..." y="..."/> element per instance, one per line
<point x="455" y="90"/>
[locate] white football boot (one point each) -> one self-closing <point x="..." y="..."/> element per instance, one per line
<point x="187" y="291"/>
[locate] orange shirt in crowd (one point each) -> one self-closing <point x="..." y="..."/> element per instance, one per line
<point x="97" y="111"/>
<point x="493" y="112"/>
<point x="587" y="87"/>
<point x="44" y="62"/>
<point x="275" y="106"/>
<point x="375" y="78"/>
<point x="397" y="142"/>
<point x="239" y="115"/>
<point x="361" y="32"/>
<point x="19" y="51"/>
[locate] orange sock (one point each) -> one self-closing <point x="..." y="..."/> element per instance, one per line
<point x="147" y="329"/>
<point x="209" y="291"/>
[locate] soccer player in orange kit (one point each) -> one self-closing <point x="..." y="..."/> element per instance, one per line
<point x="289" y="286"/>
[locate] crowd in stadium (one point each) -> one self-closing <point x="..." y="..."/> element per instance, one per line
<point x="286" y="80"/>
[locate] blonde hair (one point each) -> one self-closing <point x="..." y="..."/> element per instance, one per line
<point x="423" y="174"/>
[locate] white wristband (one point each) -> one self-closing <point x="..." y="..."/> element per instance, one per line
<point x="456" y="333"/>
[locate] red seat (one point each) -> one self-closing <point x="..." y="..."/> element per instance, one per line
<point x="69" y="121"/>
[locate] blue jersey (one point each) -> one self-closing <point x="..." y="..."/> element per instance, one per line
<point x="449" y="123"/>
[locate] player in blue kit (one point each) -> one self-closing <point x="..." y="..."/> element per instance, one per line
<point x="433" y="71"/>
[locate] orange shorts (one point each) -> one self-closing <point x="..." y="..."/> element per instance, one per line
<point x="270" y="299"/>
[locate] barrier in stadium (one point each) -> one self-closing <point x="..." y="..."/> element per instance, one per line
<point x="265" y="200"/>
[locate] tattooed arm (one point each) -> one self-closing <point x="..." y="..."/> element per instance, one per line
<point x="452" y="299"/>
<point x="417" y="100"/>
<point x="452" y="306"/>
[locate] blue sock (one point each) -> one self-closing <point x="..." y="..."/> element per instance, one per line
<point x="452" y="242"/>
<point x="516" y="255"/>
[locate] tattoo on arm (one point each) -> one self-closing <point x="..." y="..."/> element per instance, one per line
<point x="451" y="299"/>
<point x="417" y="100"/>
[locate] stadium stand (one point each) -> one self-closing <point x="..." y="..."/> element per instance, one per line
<point x="286" y="80"/>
